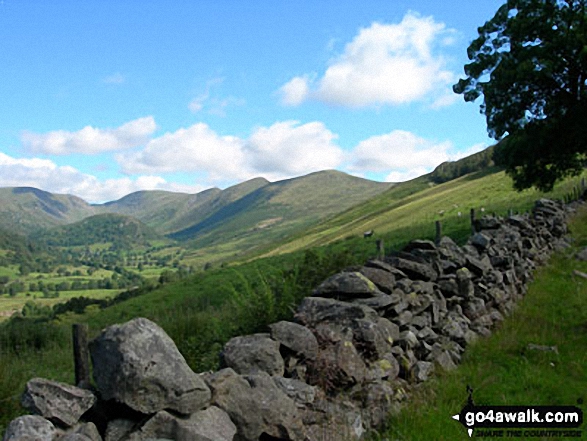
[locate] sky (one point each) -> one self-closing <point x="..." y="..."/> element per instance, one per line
<point x="102" y="98"/>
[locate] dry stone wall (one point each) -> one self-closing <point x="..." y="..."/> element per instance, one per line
<point x="350" y="357"/>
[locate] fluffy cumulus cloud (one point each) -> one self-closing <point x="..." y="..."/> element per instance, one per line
<point x="288" y="149"/>
<point x="195" y="149"/>
<point x="45" y="174"/>
<point x="284" y="149"/>
<point x="384" y="64"/>
<point x="401" y="154"/>
<point x="295" y="91"/>
<point x="91" y="140"/>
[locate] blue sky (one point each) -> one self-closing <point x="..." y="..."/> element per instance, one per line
<point x="103" y="98"/>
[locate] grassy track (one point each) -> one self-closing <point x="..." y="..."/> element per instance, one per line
<point x="501" y="370"/>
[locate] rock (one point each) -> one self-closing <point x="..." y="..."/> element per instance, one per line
<point x="58" y="402"/>
<point x="211" y="424"/>
<point x="377" y="403"/>
<point x="487" y="223"/>
<point x="444" y="360"/>
<point x="344" y="286"/>
<point x="139" y="365"/>
<point x="581" y="255"/>
<point x="337" y="366"/>
<point x="30" y="428"/>
<point x="382" y="303"/>
<point x="396" y="273"/>
<point x="374" y="339"/>
<point x="333" y="420"/>
<point x="422" y="371"/>
<point x="253" y="353"/>
<point x="82" y="432"/>
<point x="408" y="340"/>
<point x="296" y="338"/>
<point x="383" y="279"/>
<point x="314" y="310"/>
<point x="387" y="368"/>
<point x="298" y="391"/>
<point x="481" y="241"/>
<point x="474" y="308"/>
<point x="118" y="429"/>
<point x="416" y="270"/>
<point x="256" y="406"/>
<point x="464" y="283"/>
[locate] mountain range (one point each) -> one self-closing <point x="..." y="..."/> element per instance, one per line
<point x="244" y="216"/>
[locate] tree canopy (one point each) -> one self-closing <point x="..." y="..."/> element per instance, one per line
<point x="530" y="65"/>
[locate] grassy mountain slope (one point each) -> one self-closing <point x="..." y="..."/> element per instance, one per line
<point x="277" y="209"/>
<point x="25" y="209"/>
<point x="122" y="231"/>
<point x="416" y="204"/>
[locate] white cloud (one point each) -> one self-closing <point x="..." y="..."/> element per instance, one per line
<point x="46" y="175"/>
<point x="116" y="78"/>
<point x="398" y="150"/>
<point x="289" y="149"/>
<point x="295" y="91"/>
<point x="282" y="150"/>
<point x="383" y="64"/>
<point x="195" y="149"/>
<point x="90" y="140"/>
<point x="406" y="175"/>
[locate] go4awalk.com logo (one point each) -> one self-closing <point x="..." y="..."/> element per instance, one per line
<point x="521" y="421"/>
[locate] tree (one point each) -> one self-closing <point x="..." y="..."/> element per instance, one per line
<point x="530" y="64"/>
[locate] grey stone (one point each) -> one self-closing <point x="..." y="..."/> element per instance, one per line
<point x="416" y="270"/>
<point x="58" y="402"/>
<point x="253" y="353"/>
<point x="118" y="429"/>
<point x="346" y="285"/>
<point x="139" y="365"/>
<point x="374" y="339"/>
<point x="256" y="406"/>
<point x="296" y="338"/>
<point x="582" y="255"/>
<point x="30" y="428"/>
<point x="383" y="279"/>
<point x="422" y="371"/>
<point x="387" y="368"/>
<point x="211" y="424"/>
<point x="408" y="340"/>
<point x="298" y="391"/>
<point x="481" y="241"/>
<point x="82" y="432"/>
<point x="314" y="310"/>
<point x="338" y="366"/>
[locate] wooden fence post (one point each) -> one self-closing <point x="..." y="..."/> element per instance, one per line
<point x="473" y="221"/>
<point x="438" y="232"/>
<point x="81" y="355"/>
<point x="380" y="249"/>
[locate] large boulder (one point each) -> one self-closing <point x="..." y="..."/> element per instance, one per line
<point x="256" y="405"/>
<point x="58" y="402"/>
<point x="139" y="365"/>
<point x="30" y="428"/>
<point x="415" y="270"/>
<point x="253" y="353"/>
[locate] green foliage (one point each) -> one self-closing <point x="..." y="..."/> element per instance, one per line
<point x="530" y="64"/>
<point x="447" y="171"/>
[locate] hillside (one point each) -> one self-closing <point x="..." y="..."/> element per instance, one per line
<point x="24" y="209"/>
<point x="124" y="232"/>
<point x="275" y="210"/>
